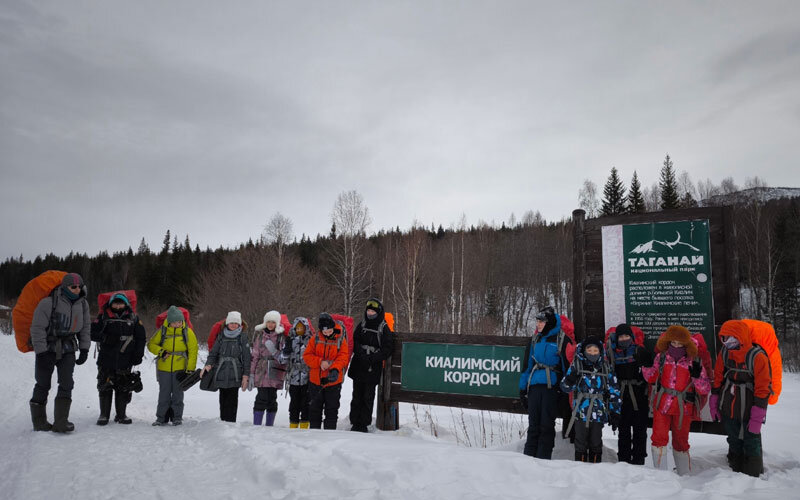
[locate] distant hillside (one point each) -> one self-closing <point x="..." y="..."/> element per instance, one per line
<point x="747" y="195"/>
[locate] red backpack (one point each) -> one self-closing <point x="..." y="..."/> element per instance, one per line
<point x="103" y="298"/>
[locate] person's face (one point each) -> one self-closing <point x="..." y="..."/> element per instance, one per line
<point x="300" y="328"/>
<point x="117" y="307"/>
<point x="233" y="326"/>
<point x="592" y="350"/>
<point x="327" y="332"/>
<point x="371" y="313"/>
<point x="540" y="324"/>
<point x="76" y="289"/>
<point x="675" y="343"/>
<point x="621" y="339"/>
<point x="271" y="325"/>
<point x="176" y="324"/>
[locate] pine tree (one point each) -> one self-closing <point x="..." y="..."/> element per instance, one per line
<point x="635" y="196"/>
<point x="669" y="186"/>
<point x="613" y="195"/>
<point x="165" y="248"/>
<point x="143" y="248"/>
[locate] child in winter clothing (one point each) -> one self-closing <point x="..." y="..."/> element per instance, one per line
<point x="596" y="398"/>
<point x="627" y="355"/>
<point x="231" y="356"/>
<point x="678" y="377"/>
<point x="120" y="338"/>
<point x="268" y="367"/>
<point x="175" y="346"/>
<point x="297" y="373"/>
<point x="546" y="362"/>
<point x="326" y="355"/>
<point x="60" y="328"/>
<point x="740" y="397"/>
<point x="372" y="345"/>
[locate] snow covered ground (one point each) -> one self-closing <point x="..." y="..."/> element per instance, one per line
<point x="209" y="459"/>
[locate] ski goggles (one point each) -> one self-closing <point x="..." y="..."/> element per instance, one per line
<point x="373" y="304"/>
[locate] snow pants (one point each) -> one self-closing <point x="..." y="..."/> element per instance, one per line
<point x="170" y="395"/>
<point x="588" y="439"/>
<point x="748" y="446"/>
<point x="663" y="424"/>
<point x="266" y="399"/>
<point x="298" y="403"/>
<point x="323" y="399"/>
<point x="542" y="411"/>
<point x="228" y="404"/>
<point x="632" y="444"/>
<point x="45" y="364"/>
<point x="362" y="404"/>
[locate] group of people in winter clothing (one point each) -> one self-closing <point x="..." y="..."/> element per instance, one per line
<point x="311" y="365"/>
<point x="609" y="382"/>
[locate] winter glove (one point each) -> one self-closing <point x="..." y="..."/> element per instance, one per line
<point x="696" y="369"/>
<point x="271" y="347"/>
<point x="571" y="379"/>
<point x="523" y="398"/>
<point x="333" y="375"/>
<point x="713" y="406"/>
<point x="82" y="357"/>
<point x="164" y="354"/>
<point x="757" y="417"/>
<point x="287" y="349"/>
<point x="643" y="357"/>
<point x="250" y="383"/>
<point x="613" y="419"/>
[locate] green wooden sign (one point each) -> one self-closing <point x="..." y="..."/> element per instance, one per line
<point x="477" y="370"/>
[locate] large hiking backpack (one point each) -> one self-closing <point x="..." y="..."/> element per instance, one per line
<point x="638" y="339"/>
<point x="763" y="338"/>
<point x="32" y="293"/>
<point x="215" y="330"/>
<point x="103" y="298"/>
<point x="348" y="324"/>
<point x="163" y="316"/>
<point x="568" y="328"/>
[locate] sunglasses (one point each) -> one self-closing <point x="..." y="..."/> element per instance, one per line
<point x="74" y="287"/>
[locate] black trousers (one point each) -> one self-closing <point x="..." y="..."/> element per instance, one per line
<point x="228" y="404"/>
<point x="588" y="439"/>
<point x="323" y="399"/>
<point x="46" y="363"/>
<point x="362" y="404"/>
<point x="298" y="403"/>
<point x="632" y="444"/>
<point x="542" y="411"/>
<point x="266" y="399"/>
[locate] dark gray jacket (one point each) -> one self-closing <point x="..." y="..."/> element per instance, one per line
<point x="62" y="329"/>
<point x="233" y="358"/>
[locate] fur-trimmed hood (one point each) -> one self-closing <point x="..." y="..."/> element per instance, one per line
<point x="271" y="316"/>
<point x="306" y="323"/>
<point x="682" y="335"/>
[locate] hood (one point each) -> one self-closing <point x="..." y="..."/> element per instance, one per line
<point x="579" y="351"/>
<point x="379" y="318"/>
<point x="682" y="335"/>
<point x="124" y="299"/>
<point x="740" y="330"/>
<point x="554" y="330"/>
<point x="305" y="322"/>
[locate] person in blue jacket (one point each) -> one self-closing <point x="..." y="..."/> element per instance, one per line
<point x="545" y="364"/>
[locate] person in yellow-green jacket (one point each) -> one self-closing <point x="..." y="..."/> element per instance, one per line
<point x="175" y="347"/>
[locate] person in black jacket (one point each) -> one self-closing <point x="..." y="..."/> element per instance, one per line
<point x="627" y="357"/>
<point x="120" y="339"/>
<point x="372" y="345"/>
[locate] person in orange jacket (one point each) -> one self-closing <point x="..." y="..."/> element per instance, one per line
<point x="326" y="355"/>
<point x="739" y="396"/>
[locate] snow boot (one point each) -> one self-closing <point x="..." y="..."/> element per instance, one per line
<point x="660" y="460"/>
<point x="105" y="407"/>
<point x="294" y="425"/>
<point x="595" y="457"/>
<point x="39" y="417"/>
<point x="304" y="424"/>
<point x="120" y="405"/>
<point x="258" y="417"/>
<point x="270" y="418"/>
<point x="735" y="462"/>
<point x="753" y="466"/>
<point x="61" y="414"/>
<point x="580" y="456"/>
<point x="158" y="423"/>
<point x="177" y="421"/>
<point x="683" y="463"/>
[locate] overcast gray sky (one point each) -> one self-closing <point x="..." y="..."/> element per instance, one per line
<point x="120" y="120"/>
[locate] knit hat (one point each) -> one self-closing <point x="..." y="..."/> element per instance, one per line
<point x="174" y="315"/>
<point x="624" y="329"/>
<point x="325" y="321"/>
<point x="233" y="317"/>
<point x="680" y="334"/>
<point x="72" y="279"/>
<point x="593" y="340"/>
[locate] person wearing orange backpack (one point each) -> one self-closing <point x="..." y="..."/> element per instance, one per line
<point x="326" y="355"/>
<point x="372" y="345"/>
<point x="60" y="328"/>
<point x="740" y="394"/>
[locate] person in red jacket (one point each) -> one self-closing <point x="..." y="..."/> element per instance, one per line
<point x="740" y="396"/>
<point x="677" y="376"/>
<point x="326" y="355"/>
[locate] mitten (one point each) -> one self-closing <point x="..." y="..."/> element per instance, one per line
<point x="757" y="416"/>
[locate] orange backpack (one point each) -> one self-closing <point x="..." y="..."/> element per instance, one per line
<point x="763" y="334"/>
<point x="32" y="293"/>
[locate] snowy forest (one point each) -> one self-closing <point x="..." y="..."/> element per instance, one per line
<point x="487" y="278"/>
